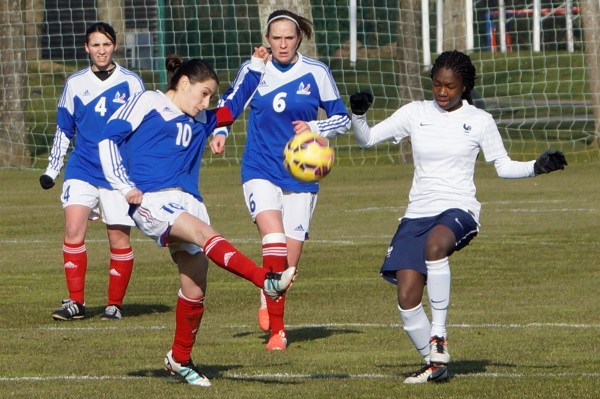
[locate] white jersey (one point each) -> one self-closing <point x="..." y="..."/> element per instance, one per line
<point x="86" y="104"/>
<point x="445" y="148"/>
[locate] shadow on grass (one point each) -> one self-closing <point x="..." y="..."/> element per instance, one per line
<point x="212" y="372"/>
<point x="132" y="309"/>
<point x="305" y="334"/>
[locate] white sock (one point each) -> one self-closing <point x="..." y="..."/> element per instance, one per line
<point x="438" y="290"/>
<point x="416" y="325"/>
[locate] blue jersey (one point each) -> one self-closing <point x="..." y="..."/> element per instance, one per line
<point x="155" y="146"/>
<point x="84" y="108"/>
<point x="284" y="96"/>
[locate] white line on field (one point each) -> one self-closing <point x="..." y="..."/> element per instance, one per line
<point x="299" y="326"/>
<point x="286" y="376"/>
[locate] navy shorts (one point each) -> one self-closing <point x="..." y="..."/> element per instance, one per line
<point x="407" y="249"/>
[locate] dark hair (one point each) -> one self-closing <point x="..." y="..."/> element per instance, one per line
<point x="195" y="69"/>
<point x="104" y="28"/>
<point x="461" y="65"/>
<point x="303" y="25"/>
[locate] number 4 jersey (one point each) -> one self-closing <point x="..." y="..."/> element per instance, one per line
<point x="84" y="108"/>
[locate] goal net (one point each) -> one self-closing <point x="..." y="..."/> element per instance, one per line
<point x="537" y="62"/>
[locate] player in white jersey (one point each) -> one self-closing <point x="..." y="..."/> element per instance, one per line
<point x="151" y="153"/>
<point x="287" y="102"/>
<point x="442" y="216"/>
<point x="89" y="98"/>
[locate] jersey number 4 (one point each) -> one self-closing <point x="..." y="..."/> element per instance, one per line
<point x="101" y="106"/>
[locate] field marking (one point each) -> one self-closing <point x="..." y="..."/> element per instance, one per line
<point x="300" y="326"/>
<point x="286" y="376"/>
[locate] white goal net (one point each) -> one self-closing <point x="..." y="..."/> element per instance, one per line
<point x="537" y="61"/>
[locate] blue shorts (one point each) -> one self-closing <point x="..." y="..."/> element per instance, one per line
<point x="407" y="249"/>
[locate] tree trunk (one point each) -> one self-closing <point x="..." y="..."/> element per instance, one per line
<point x="455" y="35"/>
<point x="590" y="14"/>
<point x="409" y="64"/>
<point x="14" y="151"/>
<point x="114" y="15"/>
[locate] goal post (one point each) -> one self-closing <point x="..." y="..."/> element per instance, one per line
<point x="542" y="95"/>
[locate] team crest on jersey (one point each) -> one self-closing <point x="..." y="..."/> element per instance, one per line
<point x="119" y="98"/>
<point x="303" y="90"/>
<point x="467" y="128"/>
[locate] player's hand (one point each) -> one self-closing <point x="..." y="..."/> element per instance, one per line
<point x="549" y="161"/>
<point x="134" y="196"/>
<point x="46" y="182"/>
<point x="300" y="127"/>
<point x="360" y="102"/>
<point x="262" y="52"/>
<point x="217" y="144"/>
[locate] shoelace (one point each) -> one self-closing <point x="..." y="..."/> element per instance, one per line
<point x="423" y="369"/>
<point x="439" y="344"/>
<point x="273" y="276"/>
<point x="192" y="367"/>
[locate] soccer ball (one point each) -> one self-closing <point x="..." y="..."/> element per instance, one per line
<point x="308" y="157"/>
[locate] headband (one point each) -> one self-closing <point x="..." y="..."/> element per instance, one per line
<point x="282" y="16"/>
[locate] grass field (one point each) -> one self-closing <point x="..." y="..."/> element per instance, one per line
<point x="524" y="319"/>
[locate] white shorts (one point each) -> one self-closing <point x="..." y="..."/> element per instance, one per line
<point x="158" y="212"/>
<point x="296" y="208"/>
<point x="113" y="204"/>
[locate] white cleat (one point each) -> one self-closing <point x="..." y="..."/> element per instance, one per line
<point x="188" y="370"/>
<point x="276" y="284"/>
<point x="429" y="373"/>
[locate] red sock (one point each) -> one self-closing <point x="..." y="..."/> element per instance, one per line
<point x="225" y="255"/>
<point x="121" y="266"/>
<point x="75" y="262"/>
<point x="188" y="315"/>
<point x="274" y="251"/>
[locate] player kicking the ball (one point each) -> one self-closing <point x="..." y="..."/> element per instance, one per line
<point x="442" y="216"/>
<point x="151" y="154"/>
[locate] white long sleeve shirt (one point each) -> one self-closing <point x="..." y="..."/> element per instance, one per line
<point x="445" y="147"/>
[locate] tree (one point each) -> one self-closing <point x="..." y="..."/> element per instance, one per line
<point x="409" y="64"/>
<point x="14" y="150"/>
<point x="590" y="14"/>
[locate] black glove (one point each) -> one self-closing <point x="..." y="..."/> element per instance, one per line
<point x="360" y="102"/>
<point x="46" y="182"/>
<point x="549" y="161"/>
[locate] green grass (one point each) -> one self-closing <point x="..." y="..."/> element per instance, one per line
<point x="523" y="320"/>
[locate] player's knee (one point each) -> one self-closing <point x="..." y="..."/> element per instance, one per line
<point x="408" y="300"/>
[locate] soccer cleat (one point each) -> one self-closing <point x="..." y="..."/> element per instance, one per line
<point x="429" y="373"/>
<point x="188" y="370"/>
<point x="276" y="284"/>
<point x="277" y="342"/>
<point x="112" y="312"/>
<point x="263" y="313"/>
<point x="70" y="310"/>
<point x="439" y="350"/>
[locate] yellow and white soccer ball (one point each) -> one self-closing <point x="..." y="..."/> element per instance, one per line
<point x="308" y="157"/>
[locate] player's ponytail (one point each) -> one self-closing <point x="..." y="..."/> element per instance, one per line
<point x="460" y="64"/>
<point x="195" y="69"/>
